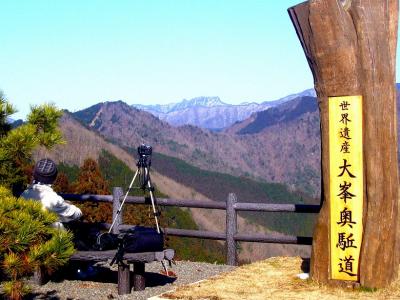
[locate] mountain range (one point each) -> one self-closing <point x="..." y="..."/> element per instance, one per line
<point x="211" y="112"/>
<point x="280" y="144"/>
<point x="284" y="150"/>
<point x="179" y="180"/>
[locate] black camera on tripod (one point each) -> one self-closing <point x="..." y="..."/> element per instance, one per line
<point x="144" y="163"/>
<point x="144" y="150"/>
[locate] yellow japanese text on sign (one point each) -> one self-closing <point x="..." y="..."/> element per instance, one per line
<point x="346" y="185"/>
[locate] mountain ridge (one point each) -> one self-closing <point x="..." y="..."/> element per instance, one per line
<point x="265" y="156"/>
<point x="286" y="112"/>
<point x="184" y="104"/>
<point x="211" y="112"/>
<point x="83" y="143"/>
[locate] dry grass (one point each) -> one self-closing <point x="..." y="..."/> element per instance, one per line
<point x="274" y="278"/>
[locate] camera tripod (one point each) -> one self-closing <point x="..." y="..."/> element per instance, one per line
<point x="143" y="173"/>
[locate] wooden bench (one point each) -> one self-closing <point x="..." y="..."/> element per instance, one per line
<point x="138" y="260"/>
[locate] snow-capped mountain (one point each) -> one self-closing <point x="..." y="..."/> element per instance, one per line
<point x="184" y="104"/>
<point x="211" y="112"/>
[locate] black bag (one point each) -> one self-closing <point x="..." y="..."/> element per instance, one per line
<point x="106" y="241"/>
<point x="142" y="239"/>
<point x="134" y="240"/>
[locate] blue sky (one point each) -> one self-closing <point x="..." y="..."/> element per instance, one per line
<point x="78" y="53"/>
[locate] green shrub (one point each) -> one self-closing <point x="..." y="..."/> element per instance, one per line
<point x="18" y="144"/>
<point x="28" y="242"/>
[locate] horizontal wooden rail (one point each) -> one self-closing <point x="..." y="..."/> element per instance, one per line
<point x="187" y="233"/>
<point x="276" y="239"/>
<point x="88" y="197"/>
<point x="212" y="235"/>
<point x="179" y="202"/>
<point x="240" y="206"/>
<point x="231" y="206"/>
<point x="266" y="207"/>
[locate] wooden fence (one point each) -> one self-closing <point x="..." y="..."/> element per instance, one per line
<point x="231" y="206"/>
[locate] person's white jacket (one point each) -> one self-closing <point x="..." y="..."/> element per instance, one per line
<point x="51" y="201"/>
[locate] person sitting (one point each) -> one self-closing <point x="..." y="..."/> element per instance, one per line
<point x="44" y="175"/>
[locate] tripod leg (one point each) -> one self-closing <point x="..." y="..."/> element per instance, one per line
<point x="165" y="267"/>
<point x="123" y="201"/>
<point x="152" y="200"/>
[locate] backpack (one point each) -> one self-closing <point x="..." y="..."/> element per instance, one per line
<point x="142" y="239"/>
<point x="135" y="239"/>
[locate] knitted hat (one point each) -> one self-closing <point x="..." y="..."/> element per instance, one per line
<point x="45" y="171"/>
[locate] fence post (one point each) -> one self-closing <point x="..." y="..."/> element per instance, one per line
<point x="231" y="229"/>
<point x="117" y="194"/>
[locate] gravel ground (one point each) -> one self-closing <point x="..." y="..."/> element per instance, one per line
<point x="102" y="282"/>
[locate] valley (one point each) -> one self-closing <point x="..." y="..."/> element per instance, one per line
<point x="283" y="152"/>
<point x="83" y="143"/>
<point x="273" y="156"/>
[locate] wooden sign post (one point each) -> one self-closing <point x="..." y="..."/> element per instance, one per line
<point x="346" y="186"/>
<point x="350" y="46"/>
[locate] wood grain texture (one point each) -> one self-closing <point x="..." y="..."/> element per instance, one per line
<point x="351" y="50"/>
<point x="40" y="276"/>
<point x="139" y="281"/>
<point x="117" y="215"/>
<point x="124" y="279"/>
<point x="231" y="230"/>
<point x="97" y="256"/>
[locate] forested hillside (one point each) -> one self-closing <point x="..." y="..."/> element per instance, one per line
<point x="288" y="152"/>
<point x="83" y="144"/>
<point x="284" y="113"/>
<point x="118" y="173"/>
<point x="217" y="186"/>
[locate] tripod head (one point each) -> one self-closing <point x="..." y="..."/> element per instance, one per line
<point x="144" y="163"/>
<point x="144" y="153"/>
